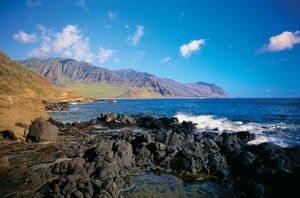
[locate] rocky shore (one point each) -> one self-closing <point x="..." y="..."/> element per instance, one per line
<point x="64" y="104"/>
<point x="56" y="106"/>
<point x="96" y="158"/>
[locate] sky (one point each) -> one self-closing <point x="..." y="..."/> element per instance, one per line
<point x="251" y="48"/>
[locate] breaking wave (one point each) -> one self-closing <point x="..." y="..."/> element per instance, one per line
<point x="279" y="133"/>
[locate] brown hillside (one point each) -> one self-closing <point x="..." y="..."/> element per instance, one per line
<point x="21" y="91"/>
<point x="15" y="79"/>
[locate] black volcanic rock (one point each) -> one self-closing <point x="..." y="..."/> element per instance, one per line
<point x="77" y="166"/>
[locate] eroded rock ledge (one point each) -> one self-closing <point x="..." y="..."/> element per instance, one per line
<point x="96" y="158"/>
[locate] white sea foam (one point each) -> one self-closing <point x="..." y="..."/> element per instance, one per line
<point x="264" y="132"/>
<point x="276" y="140"/>
<point x="212" y="123"/>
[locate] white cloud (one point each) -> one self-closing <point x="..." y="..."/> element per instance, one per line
<point x="105" y="54"/>
<point x="186" y="50"/>
<point x="283" y="41"/>
<point x="80" y="51"/>
<point x="267" y="90"/>
<point x="82" y="4"/>
<point x="24" y="37"/>
<point x="127" y="26"/>
<point x="40" y="52"/>
<point x="135" y="38"/>
<point x="165" y="60"/>
<point x="66" y="38"/>
<point x="33" y="3"/>
<point x="68" y="43"/>
<point x="112" y="14"/>
<point x="45" y="45"/>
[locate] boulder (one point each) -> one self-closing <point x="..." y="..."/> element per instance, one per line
<point x="187" y="127"/>
<point x="124" y="153"/>
<point x="129" y="120"/>
<point x="149" y="122"/>
<point x="245" y="159"/>
<point x="109" y="117"/>
<point x="155" y="124"/>
<point x="266" y="149"/>
<point x="107" y="170"/>
<point x="230" y="142"/>
<point x="245" y="136"/>
<point x="42" y="130"/>
<point x="162" y="136"/>
<point x="142" y="157"/>
<point x="178" y="141"/>
<point x="184" y="162"/>
<point x="158" y="151"/>
<point x="140" y="140"/>
<point x="19" y="111"/>
<point x="169" y="123"/>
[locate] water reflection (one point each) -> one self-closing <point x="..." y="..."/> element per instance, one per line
<point x="167" y="185"/>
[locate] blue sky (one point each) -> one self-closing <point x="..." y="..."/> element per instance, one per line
<point x="251" y="48"/>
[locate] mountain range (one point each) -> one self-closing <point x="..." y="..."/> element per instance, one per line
<point x="88" y="80"/>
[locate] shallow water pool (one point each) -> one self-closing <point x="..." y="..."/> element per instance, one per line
<point x="167" y="185"/>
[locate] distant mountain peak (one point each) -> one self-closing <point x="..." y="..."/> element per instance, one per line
<point x="204" y="83"/>
<point x="89" y="80"/>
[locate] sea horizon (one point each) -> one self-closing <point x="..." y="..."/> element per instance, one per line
<point x="139" y="98"/>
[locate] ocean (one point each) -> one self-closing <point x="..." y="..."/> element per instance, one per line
<point x="274" y="120"/>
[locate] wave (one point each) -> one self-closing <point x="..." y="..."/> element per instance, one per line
<point x="276" y="133"/>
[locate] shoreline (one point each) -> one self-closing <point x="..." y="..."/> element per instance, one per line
<point x="103" y="164"/>
<point x="194" y="98"/>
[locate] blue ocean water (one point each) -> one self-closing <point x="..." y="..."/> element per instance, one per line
<point x="276" y="120"/>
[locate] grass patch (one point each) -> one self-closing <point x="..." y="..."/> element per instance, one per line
<point x="95" y="89"/>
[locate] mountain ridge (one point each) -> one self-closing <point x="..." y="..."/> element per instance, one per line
<point x="69" y="74"/>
